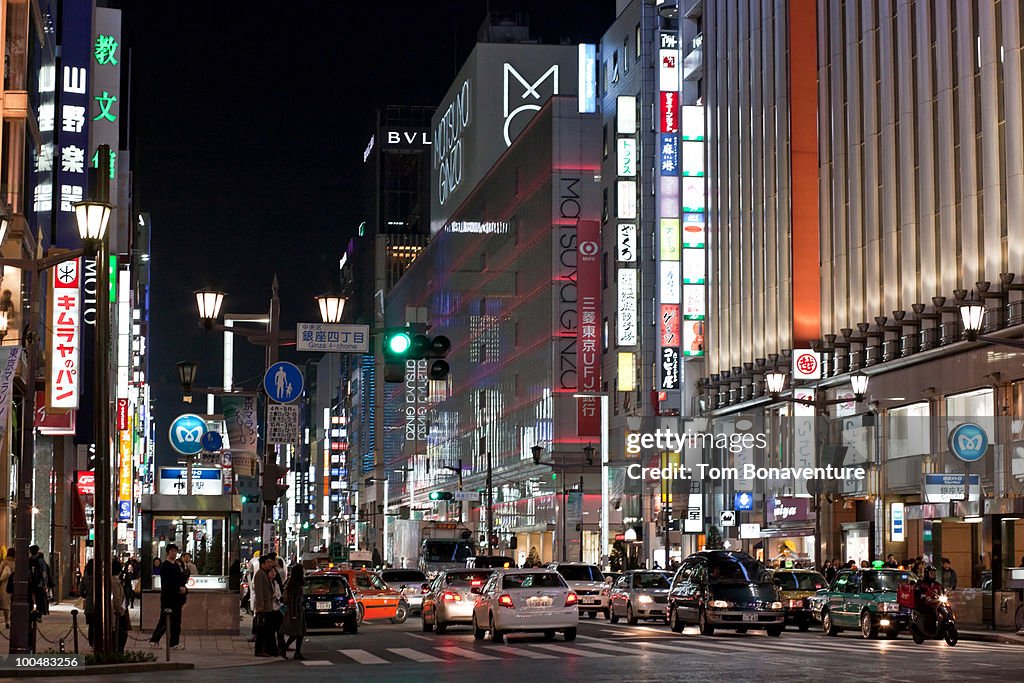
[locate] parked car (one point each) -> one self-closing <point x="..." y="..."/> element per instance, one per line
<point x="328" y="602"/>
<point x="449" y="598"/>
<point x="864" y="599"/>
<point x="490" y="562"/>
<point x="589" y="584"/>
<point x="796" y="586"/>
<point x="374" y="598"/>
<point x="724" y="589"/>
<point x="408" y="582"/>
<point x="537" y="600"/>
<point x="639" y="594"/>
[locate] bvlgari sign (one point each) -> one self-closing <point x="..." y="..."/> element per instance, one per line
<point x="491" y="101"/>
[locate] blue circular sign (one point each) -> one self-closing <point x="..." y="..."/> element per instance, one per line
<point x="283" y="382"/>
<point x="186" y="434"/>
<point x="968" y="441"/>
<point x="212" y="441"/>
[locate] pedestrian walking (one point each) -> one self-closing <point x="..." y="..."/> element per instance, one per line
<point x="7" y="574"/>
<point x="88" y="604"/>
<point x="39" y="580"/>
<point x="278" y="589"/>
<point x="294" y="622"/>
<point x="263" y="607"/>
<point x="172" y="597"/>
<point x="118" y="607"/>
<point x="132" y="582"/>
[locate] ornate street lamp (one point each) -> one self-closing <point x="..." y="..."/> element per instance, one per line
<point x="331" y="307"/>
<point x="92" y="218"/>
<point x="588" y="451"/>
<point x="537" y="452"/>
<point x="209" y="302"/>
<point x="972" y="313"/>
<point x="186" y="375"/>
<point x="775" y="382"/>
<point x="859" y="382"/>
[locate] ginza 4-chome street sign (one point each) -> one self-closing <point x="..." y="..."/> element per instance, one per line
<point x="332" y="338"/>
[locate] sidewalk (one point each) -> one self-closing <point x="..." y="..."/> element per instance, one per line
<point x="203" y="651"/>
<point x="1008" y="637"/>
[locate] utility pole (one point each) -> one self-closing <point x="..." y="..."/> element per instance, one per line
<point x="270" y="454"/>
<point x="565" y="499"/>
<point x="581" y="520"/>
<point x="490" y="505"/>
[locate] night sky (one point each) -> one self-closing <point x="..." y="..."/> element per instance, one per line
<point x="248" y="129"/>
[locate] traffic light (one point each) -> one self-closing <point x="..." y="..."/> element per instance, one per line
<point x="441" y="495"/>
<point x="273" y="482"/>
<point x="405" y="344"/>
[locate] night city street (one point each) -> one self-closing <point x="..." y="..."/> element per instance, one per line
<point x="586" y="340"/>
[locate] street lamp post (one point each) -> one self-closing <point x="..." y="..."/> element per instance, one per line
<point x="775" y="383"/>
<point x="20" y="604"/>
<point x="605" y="428"/>
<point x="972" y="315"/>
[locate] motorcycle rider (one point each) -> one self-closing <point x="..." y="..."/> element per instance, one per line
<point x="926" y="599"/>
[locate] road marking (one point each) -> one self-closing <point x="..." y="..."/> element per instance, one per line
<point x="414" y="655"/>
<point x="417" y="635"/>
<point x="468" y="654"/>
<point x="317" y="662"/>
<point x="363" y="657"/>
<point x="520" y="651"/>
<point x="611" y="648"/>
<point x="565" y="650"/>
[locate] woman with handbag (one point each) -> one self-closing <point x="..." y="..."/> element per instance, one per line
<point x="294" y="624"/>
<point x="6" y="572"/>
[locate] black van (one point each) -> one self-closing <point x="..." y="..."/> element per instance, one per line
<point x="724" y="589"/>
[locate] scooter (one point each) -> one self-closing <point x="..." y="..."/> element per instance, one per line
<point x="945" y="624"/>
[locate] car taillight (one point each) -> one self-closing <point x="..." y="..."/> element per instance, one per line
<point x="450" y="596"/>
<point x="571" y="599"/>
<point x="506" y="601"/>
<point x="476" y="582"/>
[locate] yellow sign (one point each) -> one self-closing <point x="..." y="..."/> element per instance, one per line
<point x="125" y="470"/>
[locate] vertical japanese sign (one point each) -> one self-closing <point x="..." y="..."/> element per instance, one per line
<point x="9" y="356"/>
<point x="64" y="336"/>
<point x="71" y="118"/>
<point x="669" y="233"/>
<point x="42" y="102"/>
<point x="588" y="335"/>
<point x="694" y="269"/>
<point x="240" y="416"/>
<point x="105" y="56"/>
<point x="126" y="470"/>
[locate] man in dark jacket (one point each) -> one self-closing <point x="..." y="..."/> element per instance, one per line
<point x="39" y="580"/>
<point x="172" y="597"/>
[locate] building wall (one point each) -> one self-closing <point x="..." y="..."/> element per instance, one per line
<point x="499" y="281"/>
<point x="747" y="100"/>
<point x="922" y="152"/>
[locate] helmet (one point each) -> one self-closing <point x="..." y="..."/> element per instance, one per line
<point x="930" y="569"/>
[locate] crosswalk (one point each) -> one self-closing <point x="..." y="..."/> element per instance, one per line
<point x="464" y="649"/>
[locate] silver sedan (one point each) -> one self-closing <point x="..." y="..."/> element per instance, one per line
<point x="449" y="599"/>
<point x="640" y="594"/>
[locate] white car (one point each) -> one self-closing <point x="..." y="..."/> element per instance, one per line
<point x="537" y="600"/>
<point x="589" y="584"/>
<point x="409" y="582"/>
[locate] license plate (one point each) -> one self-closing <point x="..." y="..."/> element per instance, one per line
<point x="589" y="601"/>
<point x="750" y="616"/>
<point x="538" y="602"/>
<point x="323" y="606"/>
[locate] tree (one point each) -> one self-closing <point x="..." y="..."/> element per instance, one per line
<point x="533" y="558"/>
<point x="714" y="539"/>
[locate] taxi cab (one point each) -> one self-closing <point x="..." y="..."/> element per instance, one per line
<point x="374" y="598"/>
<point x="796" y="586"/>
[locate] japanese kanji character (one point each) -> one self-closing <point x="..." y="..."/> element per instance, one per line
<point x="44" y="116"/>
<point x="106" y="101"/>
<point x="72" y="118"/>
<point x="104" y="50"/>
<point x="69" y="194"/>
<point x="72" y="159"/>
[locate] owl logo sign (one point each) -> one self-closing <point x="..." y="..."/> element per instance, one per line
<point x="806" y="365"/>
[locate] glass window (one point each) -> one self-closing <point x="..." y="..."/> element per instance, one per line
<point x="729" y="569"/>
<point x="650" y="580"/>
<point x="972" y="406"/>
<point x="325" y="585"/>
<point x="577" y="572"/>
<point x="854" y="584"/>
<point x="799" y="581"/>
<point x="404" y="576"/>
<point x="533" y="580"/>
<point x="467" y="578"/>
<point x="909" y="431"/>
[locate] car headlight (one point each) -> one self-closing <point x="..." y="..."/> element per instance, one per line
<point x="644" y="598"/>
<point x="721" y="604"/>
<point x="776" y="605"/>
